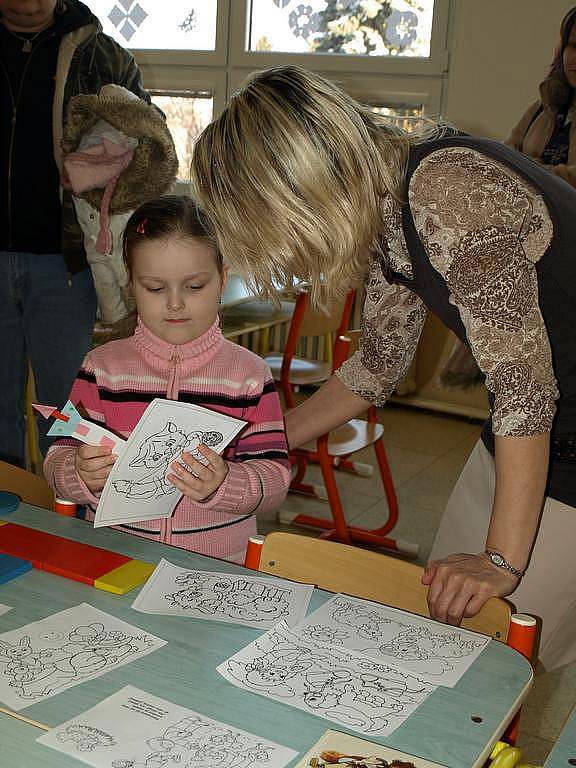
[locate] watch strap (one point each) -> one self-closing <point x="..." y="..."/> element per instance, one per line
<point x="503" y="563"/>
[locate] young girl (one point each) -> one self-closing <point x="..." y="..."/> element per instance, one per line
<point x="178" y="352"/>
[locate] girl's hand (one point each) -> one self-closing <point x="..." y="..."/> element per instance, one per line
<point x="203" y="477"/>
<point x="459" y="585"/>
<point x="94" y="463"/>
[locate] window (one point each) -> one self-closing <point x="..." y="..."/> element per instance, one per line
<point x="150" y="24"/>
<point x="357" y="27"/>
<point x="187" y="114"/>
<point x="405" y="116"/>
<point x="193" y="54"/>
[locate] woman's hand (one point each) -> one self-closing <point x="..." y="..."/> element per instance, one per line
<point x="461" y="584"/>
<point x="94" y="463"/>
<point x="201" y="480"/>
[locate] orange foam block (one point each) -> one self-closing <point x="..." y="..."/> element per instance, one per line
<point x="126" y="577"/>
<point x="55" y="554"/>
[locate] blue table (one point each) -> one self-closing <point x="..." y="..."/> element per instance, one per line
<point x="455" y="726"/>
<point x="564" y="753"/>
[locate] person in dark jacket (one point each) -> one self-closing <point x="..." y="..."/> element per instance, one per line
<point x="300" y="181"/>
<point x="50" y="51"/>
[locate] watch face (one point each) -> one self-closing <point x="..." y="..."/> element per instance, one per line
<point x="496" y="558"/>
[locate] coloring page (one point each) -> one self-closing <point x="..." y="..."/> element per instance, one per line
<point x="358" y="753"/>
<point x="333" y="683"/>
<point x="435" y="652"/>
<point x="133" y="729"/>
<point x="137" y="488"/>
<point x="62" y="650"/>
<point x="248" y="600"/>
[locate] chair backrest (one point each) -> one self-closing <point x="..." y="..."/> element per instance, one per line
<point x="370" y="575"/>
<point x="308" y="321"/>
<point x="31" y="488"/>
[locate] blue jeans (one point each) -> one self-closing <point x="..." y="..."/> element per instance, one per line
<point x="47" y="317"/>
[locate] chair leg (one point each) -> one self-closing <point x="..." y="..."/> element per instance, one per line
<point x="337" y="528"/>
<point x="342" y="529"/>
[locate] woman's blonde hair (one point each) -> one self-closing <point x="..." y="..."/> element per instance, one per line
<point x="291" y="177"/>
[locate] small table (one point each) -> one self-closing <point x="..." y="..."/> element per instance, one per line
<point x="456" y="727"/>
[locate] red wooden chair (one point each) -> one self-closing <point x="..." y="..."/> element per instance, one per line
<point x="336" y="449"/>
<point x="291" y="370"/>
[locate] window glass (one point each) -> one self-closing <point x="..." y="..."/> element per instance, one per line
<point x="159" y="24"/>
<point x="187" y="115"/>
<point x="405" y="116"/>
<point x="360" y="27"/>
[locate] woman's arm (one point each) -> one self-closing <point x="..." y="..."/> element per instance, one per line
<point x="521" y="471"/>
<point x="461" y="583"/>
<point x="392" y="320"/>
<point x="332" y="405"/>
<point x="460" y="199"/>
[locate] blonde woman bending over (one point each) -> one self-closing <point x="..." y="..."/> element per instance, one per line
<point x="301" y="181"/>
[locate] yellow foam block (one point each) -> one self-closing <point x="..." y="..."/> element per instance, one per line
<point x="3" y="522"/>
<point x="124" y="578"/>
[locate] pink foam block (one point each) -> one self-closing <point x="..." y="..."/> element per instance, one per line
<point x="82" y="429"/>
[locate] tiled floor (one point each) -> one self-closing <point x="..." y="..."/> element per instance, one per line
<point x="426" y="452"/>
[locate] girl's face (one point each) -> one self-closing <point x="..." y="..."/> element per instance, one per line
<point x="177" y="286"/>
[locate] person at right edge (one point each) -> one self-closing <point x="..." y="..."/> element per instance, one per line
<point x="547" y="130"/>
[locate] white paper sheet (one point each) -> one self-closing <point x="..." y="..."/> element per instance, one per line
<point x="344" y="744"/>
<point x="137" y="488"/>
<point x="329" y="682"/>
<point x="134" y="729"/>
<point x="435" y="652"/>
<point x="248" y="600"/>
<point x="4" y="608"/>
<point x="48" y="656"/>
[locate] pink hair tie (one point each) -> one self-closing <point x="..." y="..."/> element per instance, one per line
<point x="140" y="228"/>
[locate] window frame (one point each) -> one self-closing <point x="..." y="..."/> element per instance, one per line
<point x="331" y="62"/>
<point x="369" y="79"/>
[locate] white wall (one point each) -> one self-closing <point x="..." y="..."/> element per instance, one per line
<point x="499" y="52"/>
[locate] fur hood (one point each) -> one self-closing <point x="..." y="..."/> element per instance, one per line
<point x="153" y="168"/>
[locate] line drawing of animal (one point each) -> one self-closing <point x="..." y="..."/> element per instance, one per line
<point x="420" y="647"/>
<point x="234" y="598"/>
<point x="34" y="673"/>
<point x="155" y="454"/>
<point x="192" y="742"/>
<point x="331" y="682"/>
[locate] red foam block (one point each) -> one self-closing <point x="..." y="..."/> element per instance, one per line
<point x="55" y="554"/>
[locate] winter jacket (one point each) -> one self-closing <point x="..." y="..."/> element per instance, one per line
<point x="535" y="128"/>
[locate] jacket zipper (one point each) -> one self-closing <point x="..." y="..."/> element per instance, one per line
<point x="15" y="102"/>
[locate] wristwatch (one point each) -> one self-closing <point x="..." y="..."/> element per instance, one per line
<point x="497" y="559"/>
